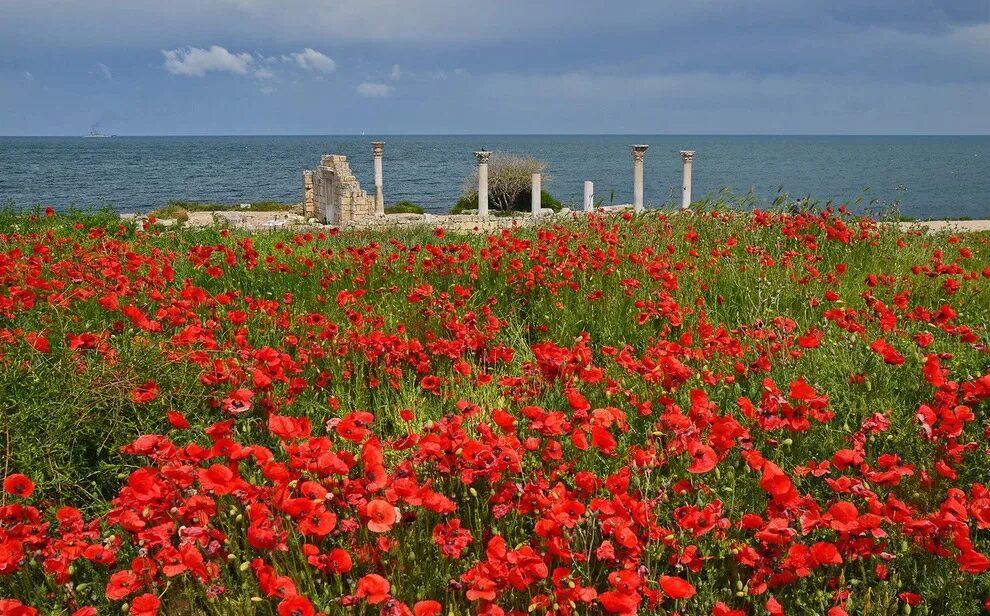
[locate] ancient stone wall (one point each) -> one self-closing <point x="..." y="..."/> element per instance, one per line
<point x="309" y="199"/>
<point x="337" y="195"/>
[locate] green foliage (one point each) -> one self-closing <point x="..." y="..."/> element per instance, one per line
<point x="405" y="207"/>
<point x="200" y="206"/>
<point x="64" y="414"/>
<point x="522" y="203"/>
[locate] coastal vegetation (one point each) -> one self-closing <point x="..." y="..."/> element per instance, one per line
<point x="509" y="186"/>
<point x="405" y="207"/>
<point x="179" y="210"/>
<point x="714" y="412"/>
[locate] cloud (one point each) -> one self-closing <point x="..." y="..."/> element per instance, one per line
<point x="374" y="90"/>
<point x="312" y="60"/>
<point x="264" y="73"/>
<point x="706" y="102"/>
<point x="105" y="70"/>
<point x="196" y="62"/>
<point x="396" y="73"/>
<point x="28" y="76"/>
<point x="266" y="90"/>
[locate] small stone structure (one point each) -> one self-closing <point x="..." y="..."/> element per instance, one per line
<point x="337" y="195"/>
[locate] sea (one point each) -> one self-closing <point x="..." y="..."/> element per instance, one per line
<point x="922" y="177"/>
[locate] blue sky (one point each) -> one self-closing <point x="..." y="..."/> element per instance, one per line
<point x="187" y="67"/>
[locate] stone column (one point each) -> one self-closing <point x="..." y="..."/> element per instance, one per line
<point x="589" y="196"/>
<point x="309" y="198"/>
<point x="483" y="157"/>
<point x="638" y="152"/>
<point x="687" y="156"/>
<point x="377" y="149"/>
<point x="536" y="201"/>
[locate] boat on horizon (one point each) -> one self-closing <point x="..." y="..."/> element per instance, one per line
<point x="94" y="134"/>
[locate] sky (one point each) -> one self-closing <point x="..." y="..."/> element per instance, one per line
<point x="244" y="67"/>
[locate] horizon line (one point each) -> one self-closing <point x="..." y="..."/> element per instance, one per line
<point x="569" y="134"/>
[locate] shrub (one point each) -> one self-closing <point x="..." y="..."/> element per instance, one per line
<point x="521" y="204"/>
<point x="173" y="210"/>
<point x="405" y="207"/>
<point x="510" y="177"/>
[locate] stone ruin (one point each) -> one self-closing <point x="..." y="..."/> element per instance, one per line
<point x="333" y="195"/>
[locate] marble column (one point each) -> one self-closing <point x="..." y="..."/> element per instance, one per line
<point x="377" y="150"/>
<point x="536" y="192"/>
<point x="589" y="196"/>
<point x="638" y="152"/>
<point x="483" y="157"/>
<point x="687" y="156"/>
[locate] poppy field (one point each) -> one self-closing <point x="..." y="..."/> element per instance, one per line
<point x="721" y="413"/>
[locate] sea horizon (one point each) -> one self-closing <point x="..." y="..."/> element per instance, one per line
<point x="923" y="176"/>
<point x="497" y="134"/>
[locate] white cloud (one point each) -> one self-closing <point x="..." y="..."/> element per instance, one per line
<point x="312" y="60"/>
<point x="374" y="90"/>
<point x="28" y="76"/>
<point x="264" y="73"/>
<point x="196" y="62"/>
<point x="266" y="90"/>
<point x="105" y="70"/>
<point x="396" y="73"/>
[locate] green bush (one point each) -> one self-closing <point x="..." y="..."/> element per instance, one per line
<point x="520" y="204"/>
<point x="405" y="207"/>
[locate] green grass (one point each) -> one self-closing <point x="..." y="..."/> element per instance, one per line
<point x="714" y="289"/>
<point x="405" y="207"/>
<point x="179" y="209"/>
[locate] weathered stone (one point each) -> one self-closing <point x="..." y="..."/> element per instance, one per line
<point x="309" y="202"/>
<point x="377" y="151"/>
<point x="337" y="195"/>
<point x="638" y="152"/>
<point x="483" y="157"/>
<point x="687" y="156"/>
<point x="536" y="192"/>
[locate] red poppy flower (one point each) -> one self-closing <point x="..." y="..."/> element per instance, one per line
<point x="218" y="479"/>
<point x="381" y="516"/>
<point x="373" y="588"/>
<point x="703" y="458"/>
<point x="427" y="608"/>
<point x="622" y="603"/>
<point x="177" y="420"/>
<point x="18" y="485"/>
<point x="145" y="393"/>
<point x="826" y="553"/>
<point x="677" y="588"/>
<point x="297" y="605"/>
<point x="145" y="605"/>
<point x="13" y="607"/>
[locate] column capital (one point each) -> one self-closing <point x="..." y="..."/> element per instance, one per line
<point x="377" y="148"/>
<point x="638" y="152"/>
<point x="483" y="156"/>
<point x="687" y="155"/>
